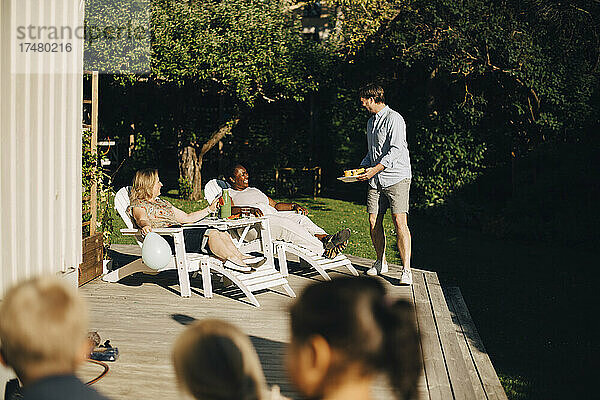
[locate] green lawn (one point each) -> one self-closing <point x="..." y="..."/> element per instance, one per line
<point x="333" y="215"/>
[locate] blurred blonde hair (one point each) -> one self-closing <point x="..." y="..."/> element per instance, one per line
<point x="143" y="182"/>
<point x="43" y="324"/>
<point x="215" y="360"/>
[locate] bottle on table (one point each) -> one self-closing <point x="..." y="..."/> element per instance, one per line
<point x="225" y="211"/>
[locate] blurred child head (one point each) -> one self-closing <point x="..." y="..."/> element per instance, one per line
<point x="347" y="330"/>
<point x="43" y="328"/>
<point x="215" y="360"/>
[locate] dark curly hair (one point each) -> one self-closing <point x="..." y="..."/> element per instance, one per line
<point x="356" y="318"/>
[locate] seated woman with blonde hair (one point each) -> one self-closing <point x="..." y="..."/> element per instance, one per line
<point x="214" y="360"/>
<point x="150" y="211"/>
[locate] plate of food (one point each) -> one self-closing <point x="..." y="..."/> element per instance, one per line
<point x="350" y="175"/>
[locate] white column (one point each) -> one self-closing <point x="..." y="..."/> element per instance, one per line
<point x="40" y="142"/>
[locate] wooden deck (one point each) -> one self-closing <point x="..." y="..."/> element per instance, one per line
<point x="142" y="315"/>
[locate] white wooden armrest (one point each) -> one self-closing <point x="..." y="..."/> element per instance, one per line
<point x="160" y="231"/>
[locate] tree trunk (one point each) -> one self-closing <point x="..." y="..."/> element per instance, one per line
<point x="191" y="154"/>
<point x="190" y="166"/>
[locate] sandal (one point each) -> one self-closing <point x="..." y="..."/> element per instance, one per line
<point x="336" y="239"/>
<point x="334" y="251"/>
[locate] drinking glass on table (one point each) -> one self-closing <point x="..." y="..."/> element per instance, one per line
<point x="217" y="210"/>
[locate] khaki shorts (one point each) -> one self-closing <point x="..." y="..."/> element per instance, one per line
<point x="395" y="197"/>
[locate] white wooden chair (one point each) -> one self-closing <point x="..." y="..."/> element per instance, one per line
<point x="264" y="277"/>
<point x="319" y="263"/>
<point x="282" y="249"/>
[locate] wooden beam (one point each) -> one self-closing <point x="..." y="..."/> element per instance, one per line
<point x="94" y="145"/>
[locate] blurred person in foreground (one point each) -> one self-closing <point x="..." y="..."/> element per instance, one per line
<point x="214" y="360"/>
<point x="150" y="211"/>
<point x="43" y="338"/>
<point x="345" y="332"/>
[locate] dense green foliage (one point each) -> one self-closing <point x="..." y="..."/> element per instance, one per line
<point x="500" y="98"/>
<point x="92" y="174"/>
<point x="501" y="101"/>
<point x="481" y="82"/>
<point x="117" y="37"/>
<point x="247" y="49"/>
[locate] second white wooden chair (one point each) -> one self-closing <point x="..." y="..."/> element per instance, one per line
<point x="282" y="249"/>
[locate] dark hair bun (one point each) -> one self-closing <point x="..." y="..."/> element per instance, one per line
<point x="357" y="319"/>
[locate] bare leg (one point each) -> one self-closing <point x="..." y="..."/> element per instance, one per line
<point x="231" y="246"/>
<point x="222" y="246"/>
<point x="377" y="235"/>
<point x="403" y="237"/>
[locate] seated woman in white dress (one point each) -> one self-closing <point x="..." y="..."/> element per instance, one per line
<point x="288" y="221"/>
<point x="150" y="211"/>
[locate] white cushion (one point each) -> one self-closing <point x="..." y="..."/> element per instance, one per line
<point x="214" y="189"/>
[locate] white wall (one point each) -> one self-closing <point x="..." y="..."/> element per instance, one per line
<point x="40" y="146"/>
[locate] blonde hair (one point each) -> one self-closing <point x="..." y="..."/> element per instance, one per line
<point x="215" y="360"/>
<point x="43" y="323"/>
<point x="143" y="183"/>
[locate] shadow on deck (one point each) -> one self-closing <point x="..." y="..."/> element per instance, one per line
<point x="143" y="315"/>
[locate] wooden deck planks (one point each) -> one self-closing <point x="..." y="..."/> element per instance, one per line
<point x="438" y="382"/>
<point x="481" y="371"/>
<point x="462" y="387"/>
<point x="144" y="325"/>
<point x="143" y="315"/>
<point x="462" y="342"/>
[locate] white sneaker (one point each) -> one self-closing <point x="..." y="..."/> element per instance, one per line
<point x="255" y="262"/>
<point x="234" y="266"/>
<point x="406" y="277"/>
<point x="378" y="268"/>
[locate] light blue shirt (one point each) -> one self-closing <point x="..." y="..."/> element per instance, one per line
<point x="387" y="145"/>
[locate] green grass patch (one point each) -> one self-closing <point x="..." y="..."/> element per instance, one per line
<point x="516" y="387"/>
<point x="333" y="215"/>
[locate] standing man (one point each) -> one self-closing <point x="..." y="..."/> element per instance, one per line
<point x="388" y="171"/>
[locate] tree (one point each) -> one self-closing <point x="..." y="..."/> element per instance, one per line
<point x="248" y="51"/>
<point x="357" y="22"/>
<point x="482" y="83"/>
